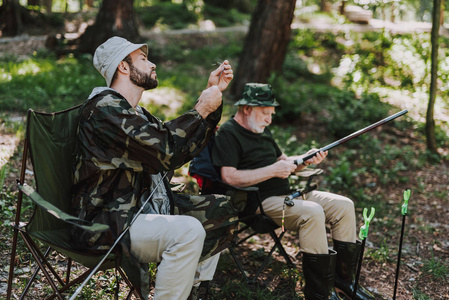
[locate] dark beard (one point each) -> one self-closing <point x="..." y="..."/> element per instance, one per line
<point x="142" y="79"/>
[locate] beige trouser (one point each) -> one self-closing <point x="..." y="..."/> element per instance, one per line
<point x="175" y="242"/>
<point x="308" y="217"/>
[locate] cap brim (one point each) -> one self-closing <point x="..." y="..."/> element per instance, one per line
<point x="244" y="102"/>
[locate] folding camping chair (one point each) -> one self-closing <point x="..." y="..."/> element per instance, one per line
<point x="247" y="201"/>
<point x="49" y="142"/>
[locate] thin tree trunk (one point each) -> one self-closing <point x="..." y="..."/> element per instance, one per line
<point x="430" y="122"/>
<point x="115" y="18"/>
<point x="10" y="18"/>
<point x="265" y="44"/>
<point x="48" y="4"/>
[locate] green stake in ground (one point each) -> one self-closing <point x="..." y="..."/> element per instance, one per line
<point x="363" y="234"/>
<point x="404" y="210"/>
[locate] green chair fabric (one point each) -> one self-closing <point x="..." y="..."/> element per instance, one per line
<point x="50" y="142"/>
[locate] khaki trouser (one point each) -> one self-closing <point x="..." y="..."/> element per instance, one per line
<point x="175" y="242"/>
<point x="308" y="217"/>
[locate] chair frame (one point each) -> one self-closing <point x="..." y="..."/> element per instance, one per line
<point x="41" y="258"/>
<point x="277" y="245"/>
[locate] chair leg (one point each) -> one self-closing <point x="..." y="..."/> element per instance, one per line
<point x="69" y="268"/>
<point x="239" y="265"/>
<point x="36" y="271"/>
<point x="11" y="263"/>
<point x="278" y="245"/>
<point x="37" y="258"/>
<point x="72" y="283"/>
<point x="282" y="249"/>
<point x="133" y="290"/>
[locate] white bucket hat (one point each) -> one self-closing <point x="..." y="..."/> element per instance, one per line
<point x="108" y="55"/>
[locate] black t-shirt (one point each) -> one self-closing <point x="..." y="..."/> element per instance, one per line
<point x="242" y="149"/>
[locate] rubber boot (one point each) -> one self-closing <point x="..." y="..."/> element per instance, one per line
<point x="319" y="272"/>
<point x="346" y="268"/>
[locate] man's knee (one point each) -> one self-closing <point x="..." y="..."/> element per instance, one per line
<point x="191" y="230"/>
<point x="313" y="212"/>
<point x="346" y="205"/>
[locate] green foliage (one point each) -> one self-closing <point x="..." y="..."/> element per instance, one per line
<point x="381" y="255"/>
<point x="285" y="137"/>
<point x="342" y="176"/>
<point x="437" y="268"/>
<point x="225" y="17"/>
<point x="46" y="83"/>
<point x="173" y="15"/>
<point x="300" y="97"/>
<point x="362" y="112"/>
<point x="418" y="295"/>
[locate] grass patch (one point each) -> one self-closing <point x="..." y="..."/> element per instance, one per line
<point x="46" y="83"/>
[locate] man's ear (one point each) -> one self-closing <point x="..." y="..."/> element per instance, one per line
<point x="123" y="67"/>
<point x="247" y="109"/>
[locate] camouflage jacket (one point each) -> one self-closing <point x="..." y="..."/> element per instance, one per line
<point x="117" y="151"/>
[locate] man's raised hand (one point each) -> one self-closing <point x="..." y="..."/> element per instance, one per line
<point x="221" y="76"/>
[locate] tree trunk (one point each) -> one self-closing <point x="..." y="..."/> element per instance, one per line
<point x="265" y="44"/>
<point x="89" y="3"/>
<point x="325" y="6"/>
<point x="342" y="7"/>
<point x="33" y="2"/>
<point x="430" y="122"/>
<point x="10" y="18"/>
<point x="48" y="4"/>
<point x="115" y="18"/>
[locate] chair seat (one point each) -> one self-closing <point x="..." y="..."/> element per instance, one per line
<point x="59" y="240"/>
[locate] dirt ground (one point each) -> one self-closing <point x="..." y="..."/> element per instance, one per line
<point x="426" y="238"/>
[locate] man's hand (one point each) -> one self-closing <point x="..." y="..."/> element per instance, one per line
<point x="221" y="76"/>
<point x="209" y="100"/>
<point x="317" y="158"/>
<point x="283" y="168"/>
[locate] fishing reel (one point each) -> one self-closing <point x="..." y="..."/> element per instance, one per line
<point x="298" y="193"/>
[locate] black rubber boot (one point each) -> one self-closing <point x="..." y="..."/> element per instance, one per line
<point x="346" y="268"/>
<point x="319" y="272"/>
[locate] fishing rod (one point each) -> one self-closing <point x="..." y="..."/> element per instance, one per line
<point x="351" y="136"/>
<point x="94" y="270"/>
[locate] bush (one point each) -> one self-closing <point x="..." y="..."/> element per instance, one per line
<point x="225" y="17"/>
<point x="46" y="83"/>
<point x="349" y="114"/>
<point x="175" y="16"/>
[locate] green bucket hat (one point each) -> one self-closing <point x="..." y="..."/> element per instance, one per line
<point x="257" y="94"/>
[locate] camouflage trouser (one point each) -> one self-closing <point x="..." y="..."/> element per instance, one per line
<point x="217" y="215"/>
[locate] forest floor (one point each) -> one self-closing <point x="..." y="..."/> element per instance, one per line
<point x="426" y="240"/>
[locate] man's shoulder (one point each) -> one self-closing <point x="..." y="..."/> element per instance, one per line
<point x="228" y="126"/>
<point x="106" y="99"/>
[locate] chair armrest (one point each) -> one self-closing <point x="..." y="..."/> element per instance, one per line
<point x="59" y="214"/>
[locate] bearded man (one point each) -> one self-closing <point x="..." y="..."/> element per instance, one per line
<point x="123" y="155"/>
<point x="247" y="155"/>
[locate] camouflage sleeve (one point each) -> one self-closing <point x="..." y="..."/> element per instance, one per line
<point x="118" y="131"/>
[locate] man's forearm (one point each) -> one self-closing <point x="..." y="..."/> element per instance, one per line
<point x="245" y="178"/>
